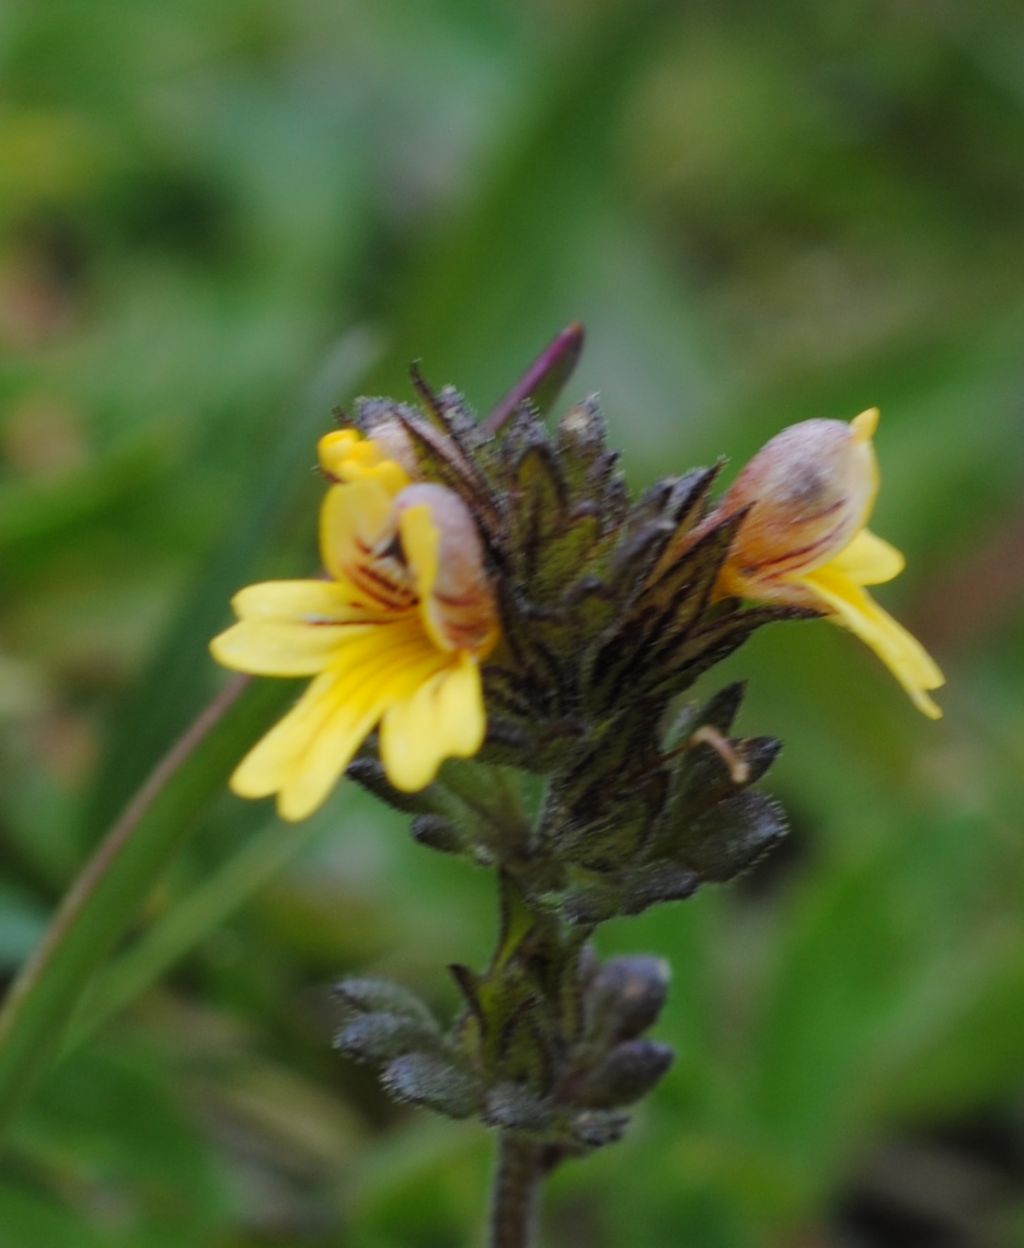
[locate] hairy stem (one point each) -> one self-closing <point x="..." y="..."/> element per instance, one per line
<point x="516" y="1191"/>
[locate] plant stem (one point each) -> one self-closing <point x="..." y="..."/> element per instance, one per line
<point x="516" y="1191"/>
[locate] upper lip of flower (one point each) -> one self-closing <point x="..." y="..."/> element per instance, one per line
<point x="346" y="456"/>
<point x="373" y="636"/>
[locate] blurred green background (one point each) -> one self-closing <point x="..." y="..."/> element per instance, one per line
<point x="219" y="219"/>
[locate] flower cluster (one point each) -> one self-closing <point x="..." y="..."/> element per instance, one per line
<point x="446" y="547"/>
<point x="493" y="591"/>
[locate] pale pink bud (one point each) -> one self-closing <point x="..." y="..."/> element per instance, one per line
<point x="809" y="491"/>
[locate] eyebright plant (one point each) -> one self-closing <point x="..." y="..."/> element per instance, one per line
<point x="493" y="592"/>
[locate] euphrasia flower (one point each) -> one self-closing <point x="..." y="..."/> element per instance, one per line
<point x="804" y="541"/>
<point x="394" y="638"/>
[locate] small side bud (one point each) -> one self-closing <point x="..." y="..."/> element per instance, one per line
<point x="628" y="1073"/>
<point x="626" y="996"/>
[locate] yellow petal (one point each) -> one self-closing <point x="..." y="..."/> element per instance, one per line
<point x="865" y="424"/>
<point x="337" y="446"/>
<point x="321" y="764"/>
<point x="361" y="700"/>
<point x="311" y="601"/>
<point x="902" y="653"/>
<point x="460" y="706"/>
<point x="269" y="763"/>
<point x="347" y="456"/>
<point x="290" y="628"/>
<point x="421" y="541"/>
<point x="278" y="648"/>
<point x="391" y="476"/>
<point x="868" y="560"/>
<point x="410" y="744"/>
<point x="302" y="757"/>
<point x="353" y="519"/>
<point x="443" y="718"/>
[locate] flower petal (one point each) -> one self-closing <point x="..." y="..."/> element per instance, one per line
<point x="346" y="455"/>
<point x="421" y="540"/>
<point x="303" y="755"/>
<point x="352" y="520"/>
<point x="421" y="543"/>
<point x="291" y="628"/>
<point x="460" y="705"/>
<point x="269" y="764"/>
<point x="277" y="648"/>
<point x="312" y="602"/>
<point x="902" y="653"/>
<point x="444" y="718"/>
<point x="865" y="425"/>
<point x="868" y="560"/>
<point x="360" y="701"/>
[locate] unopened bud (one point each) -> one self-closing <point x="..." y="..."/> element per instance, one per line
<point x="628" y="1073"/>
<point x="626" y="996"/>
<point x="809" y="490"/>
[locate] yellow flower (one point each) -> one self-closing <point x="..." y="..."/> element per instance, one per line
<point x="804" y="541"/>
<point x="393" y="639"/>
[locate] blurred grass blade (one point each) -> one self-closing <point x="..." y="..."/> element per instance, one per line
<point x="102" y="901"/>
<point x="178" y="678"/>
<point x="108" y="892"/>
<point x="561" y="139"/>
<point x="201" y="911"/>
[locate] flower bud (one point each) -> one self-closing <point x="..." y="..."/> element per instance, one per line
<point x="631" y="1070"/>
<point x="809" y="490"/>
<point x="626" y="996"/>
<point x="804" y="542"/>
